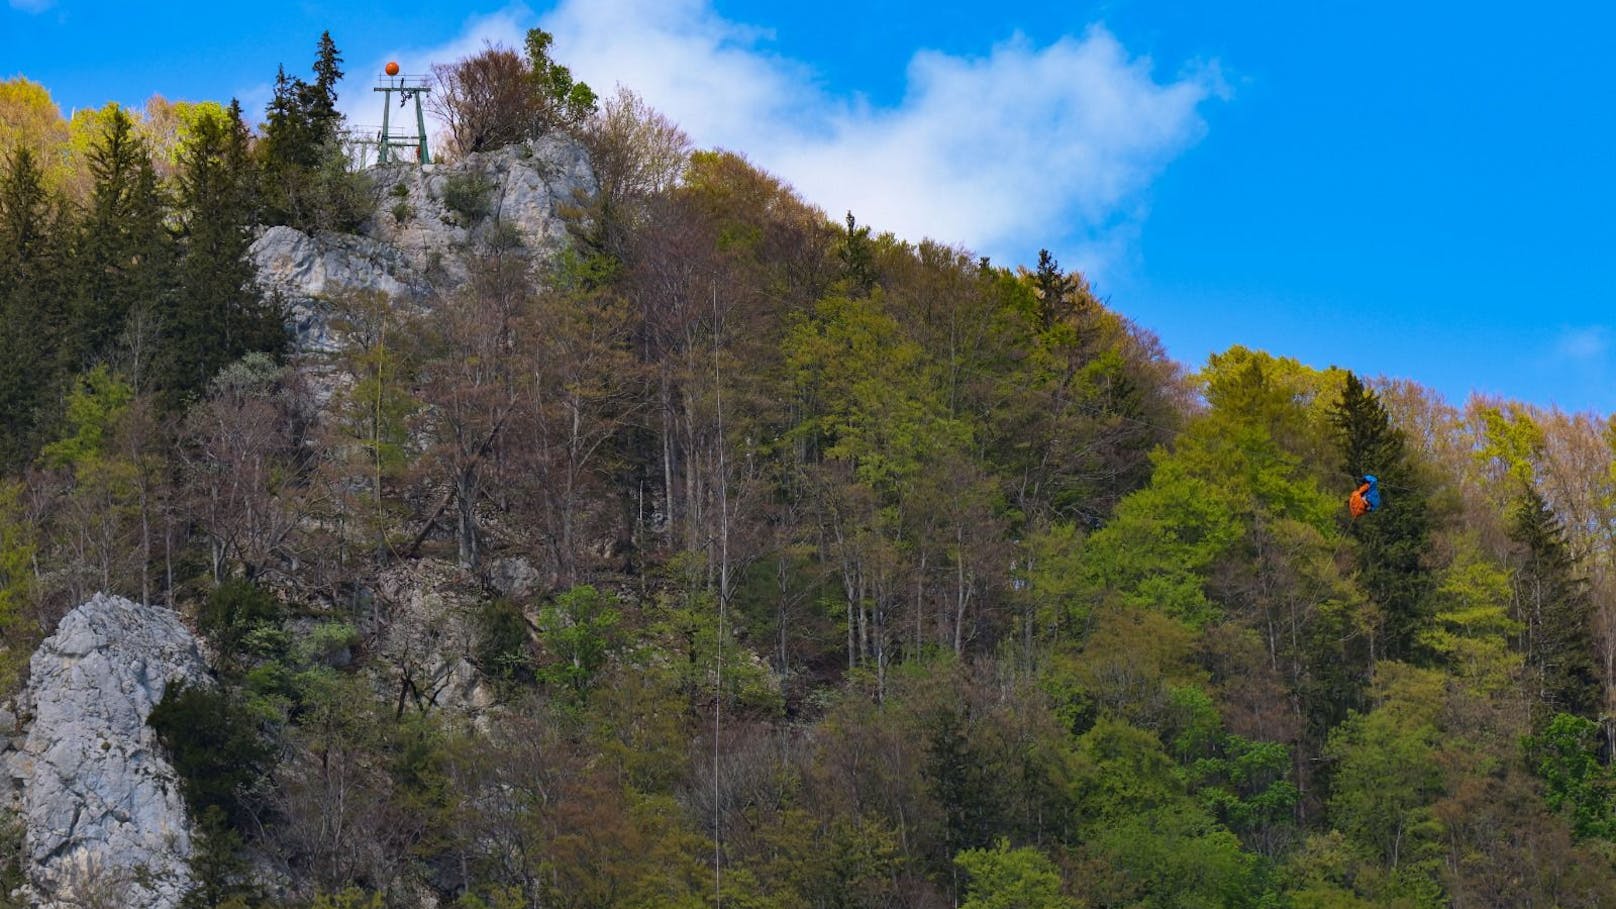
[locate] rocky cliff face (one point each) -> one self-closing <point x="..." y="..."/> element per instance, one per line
<point x="105" y="821"/>
<point x="417" y="243"/>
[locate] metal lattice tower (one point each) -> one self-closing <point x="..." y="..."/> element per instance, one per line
<point x="408" y="88"/>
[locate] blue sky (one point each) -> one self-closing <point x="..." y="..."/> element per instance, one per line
<point x="1421" y="193"/>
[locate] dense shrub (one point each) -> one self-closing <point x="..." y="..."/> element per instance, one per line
<point x="467" y="195"/>
<point x="213" y="746"/>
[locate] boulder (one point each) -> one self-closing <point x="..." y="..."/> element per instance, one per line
<point x="104" y="820"/>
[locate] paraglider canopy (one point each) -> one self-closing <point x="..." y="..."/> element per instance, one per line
<point x="1373" y="495"/>
<point x="1366" y="497"/>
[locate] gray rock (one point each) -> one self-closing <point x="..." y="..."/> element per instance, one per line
<point x="308" y="273"/>
<point x="514" y="577"/>
<point x="411" y="259"/>
<point x="430" y="635"/>
<point x="103" y="816"/>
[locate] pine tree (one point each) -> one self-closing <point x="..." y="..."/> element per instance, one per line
<point x="1052" y="287"/>
<point x="303" y="116"/>
<point x="1552" y="603"/>
<point x="30" y="302"/>
<point x="220" y="313"/>
<point x="287" y="138"/>
<point x="123" y="266"/>
<point x="857" y="257"/>
<point x="1392" y="540"/>
<point x="321" y="97"/>
<point x="305" y="179"/>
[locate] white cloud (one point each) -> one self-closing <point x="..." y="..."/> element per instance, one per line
<point x="1027" y="146"/>
<point x="32" y="6"/>
<point x="1024" y="147"/>
<point x="1584" y="344"/>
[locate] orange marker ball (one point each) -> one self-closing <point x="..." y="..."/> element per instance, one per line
<point x="392" y="68"/>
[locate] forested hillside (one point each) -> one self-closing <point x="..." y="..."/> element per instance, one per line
<point x="733" y="553"/>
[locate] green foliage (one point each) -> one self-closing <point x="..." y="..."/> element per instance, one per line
<point x="94" y="405"/>
<point x="1566" y="756"/>
<point x="302" y="116"/>
<point x="18" y="549"/>
<point x="1393" y="541"/>
<point x="503" y="897"/>
<point x="1234" y="472"/>
<point x="1245" y="784"/>
<point x="1052" y="583"/>
<point x="213" y="745"/>
<point x="706" y="660"/>
<point x="504" y="645"/>
<point x="1160" y="847"/>
<point x="327" y="643"/>
<point x="1553" y="604"/>
<point x="1512" y="441"/>
<point x="578" y="629"/>
<point x="1176" y="858"/>
<point x="1159" y="551"/>
<point x="961" y="782"/>
<point x="307" y="180"/>
<point x="857" y="258"/>
<point x="235" y="609"/>
<point x="1386" y="779"/>
<point x="1006" y="878"/>
<point x="293" y="679"/>
<point x="1472" y="629"/>
<point x="469" y="195"/>
<point x="12" y="859"/>
<point x="220" y="315"/>
<point x="564" y="102"/>
<point x="348" y="898"/>
<point x="868" y="395"/>
<point x="221" y="876"/>
<point x="1093" y="628"/>
<point x="124" y="252"/>
<point x="33" y="302"/>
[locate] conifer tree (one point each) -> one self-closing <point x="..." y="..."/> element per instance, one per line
<point x="857" y="257"/>
<point x="1391" y="540"/>
<point x="124" y="258"/>
<point x="287" y="137"/>
<point x="321" y="97"/>
<point x="1053" y="289"/>
<point x="220" y="314"/>
<point x="30" y="301"/>
<point x="306" y="181"/>
<point x="1552" y="603"/>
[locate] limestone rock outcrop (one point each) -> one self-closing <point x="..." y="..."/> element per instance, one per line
<point x="417" y="243"/>
<point x="104" y="820"/>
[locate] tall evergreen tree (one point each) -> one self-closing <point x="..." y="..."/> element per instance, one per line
<point x="1053" y="290"/>
<point x="124" y="259"/>
<point x="857" y="256"/>
<point x="1553" y="605"/>
<point x="305" y="178"/>
<point x="320" y="98"/>
<point x="220" y="314"/>
<point x="31" y="305"/>
<point x="1391" y="540"/>
<point x="287" y="138"/>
